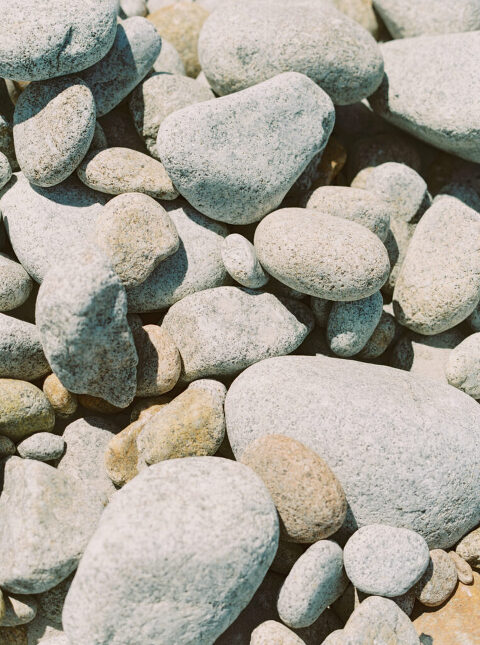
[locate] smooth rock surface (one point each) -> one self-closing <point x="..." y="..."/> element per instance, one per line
<point x="463" y="366"/>
<point x="439" y="580"/>
<point x="169" y="60"/>
<point x="159" y="362"/>
<point x="241" y="262"/>
<point x="15" y="284"/>
<point x="351" y="324"/>
<point x="43" y="446"/>
<point x="24" y="410"/>
<point x="21" y="352"/>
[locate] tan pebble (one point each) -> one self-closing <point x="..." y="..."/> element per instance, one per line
<point x="159" y="362"/>
<point x="439" y="580"/>
<point x="24" y="410"/>
<point x="97" y="404"/>
<point x="464" y="570"/>
<point x="309" y="498"/>
<point x="272" y="633"/>
<point x="63" y="402"/>
<point x="469" y="548"/>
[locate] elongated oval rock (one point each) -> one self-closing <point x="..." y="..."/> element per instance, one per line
<point x="241" y="262"/>
<point x="24" y="410"/>
<point x="21" y="352"/>
<point x="225" y="157"/>
<point x="244" y="43"/>
<point x="311" y="252"/>
<point x="15" y="284"/>
<point x="130" y="581"/>
<point x="420" y="438"/>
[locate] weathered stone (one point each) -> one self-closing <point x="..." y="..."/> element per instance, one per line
<point x="462" y="368"/>
<point x="351" y="324"/>
<point x="241" y="262"/>
<point x="21" y="352"/>
<point x="272" y="632"/>
<point x="7" y="448"/>
<point x="15" y="284"/>
<point x="159" y="362"/>
<point x="379" y="620"/>
<point x="381" y="338"/>
<point x="44" y="446"/>
<point x="24" y="410"/>
<point x="469" y="548"/>
<point x="5" y="170"/>
<point x="169" y="60"/>
<point x="439" y="580"/>
<point x="464" y="570"/>
<point x="63" y="402"/>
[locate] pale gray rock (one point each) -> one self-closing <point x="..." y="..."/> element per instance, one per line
<point x="350" y="324"/>
<point x="379" y="620"/>
<point x="413" y="458"/>
<point x="462" y="368"/>
<point x="136" y="47"/>
<point x="43" y="446"/>
<point x="439" y="282"/>
<point x="316" y="580"/>
<point x="15" y="284"/>
<point x="37" y="503"/>
<point x="215" y="151"/>
<point x="353" y="204"/>
<point x="407" y="18"/>
<point x="45" y="225"/>
<point x="6" y="138"/>
<point x="129" y="582"/>
<point x="197" y="264"/>
<point x="20" y="610"/>
<point x="81" y="316"/>
<point x="428" y="87"/>
<point x="41" y="39"/>
<point x="439" y="580"/>
<point x="311" y="252"/>
<point x="384" y="560"/>
<point x="5" y="170"/>
<point x="270" y="632"/>
<point x="244" y="43"/>
<point x="157" y="97"/>
<point x="53" y="127"/>
<point x="221" y="331"/>
<point x="169" y="61"/>
<point x="129" y="8"/>
<point x="241" y="262"/>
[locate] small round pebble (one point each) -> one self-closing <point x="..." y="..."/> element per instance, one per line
<point x="62" y="401"/>
<point x="351" y="324"/>
<point x="463" y="367"/>
<point x="5" y="170"/>
<point x="24" y="410"/>
<point x="43" y="446"/>
<point x="169" y="60"/>
<point x="241" y="262"/>
<point x="464" y="570"/>
<point x="15" y="284"/>
<point x="385" y="560"/>
<point x="272" y="633"/>
<point x="21" y="351"/>
<point x="439" y="580"/>
<point x="469" y="548"/>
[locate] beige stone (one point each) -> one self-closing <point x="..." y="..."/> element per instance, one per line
<point x="19" y="609"/>
<point x="464" y="570"/>
<point x="24" y="410"/>
<point x="145" y="407"/>
<point x="159" y="362"/>
<point x="469" y="548"/>
<point x="439" y="580"/>
<point x="272" y="633"/>
<point x="63" y="402"/>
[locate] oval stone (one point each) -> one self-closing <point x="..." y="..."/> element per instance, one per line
<point x="24" y="410"/>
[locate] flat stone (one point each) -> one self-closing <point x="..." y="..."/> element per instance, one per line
<point x="37" y="503"/>
<point x="122" y="170"/>
<point x="351" y="324"/>
<point x="5" y="170"/>
<point x="463" y="366"/>
<point x="54" y="123"/>
<point x="221" y="331"/>
<point x="24" y="410"/>
<point x="245" y="43"/>
<point x="44" y="446"/>
<point x="464" y="570"/>
<point x="469" y="548"/>
<point x="439" y="580"/>
<point x="197" y="265"/>
<point x="272" y="632"/>
<point x="169" y="60"/>
<point x="15" y="284"/>
<point x="21" y="352"/>
<point x="427" y="90"/>
<point x="81" y="316"/>
<point x="379" y="620"/>
<point x="241" y="262"/>
<point x="19" y="610"/>
<point x="54" y="38"/>
<point x="311" y="252"/>
<point x="128" y="583"/>
<point x="316" y="580"/>
<point x="195" y="145"/>
<point x="135" y="233"/>
<point x="309" y="498"/>
<point x="62" y="401"/>
<point x="134" y="50"/>
<point x="419" y="436"/>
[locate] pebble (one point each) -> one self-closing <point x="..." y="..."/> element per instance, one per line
<point x="412" y="431"/>
<point x="169" y="60"/>
<point x="5" y="170"/>
<point x="242" y="44"/>
<point x="81" y="316"/>
<point x="309" y="498"/>
<point x="24" y="410"/>
<point x="54" y="123"/>
<point x="44" y="446"/>
<point x="469" y="548"/>
<point x="54" y="38"/>
<point x="15" y="284"/>
<point x="157" y="97"/>
<point x="129" y="571"/>
<point x="19" y="610"/>
<point x="180" y="23"/>
<point x="353" y="204"/>
<point x="122" y="459"/>
<point x="135" y="49"/>
<point x="135" y="233"/>
<point x="311" y="252"/>
<point x="439" y="580"/>
<point x="381" y="339"/>
<point x="129" y="8"/>
<point x="439" y="282"/>
<point x="351" y="324"/>
<point x="7" y="447"/>
<point x="63" y="402"/>
<point x="241" y="262"/>
<point x="21" y="352"/>
<point x="195" y="145"/>
<point x="463" y="366"/>
<point x="223" y="330"/>
<point x="464" y="570"/>
<point x="197" y="265"/>
<point x="271" y="632"/>
<point x="121" y="170"/>
<point x="192" y="425"/>
<point x="427" y="90"/>
<point x="39" y="502"/>
<point x="379" y="620"/>
<point x="316" y="580"/>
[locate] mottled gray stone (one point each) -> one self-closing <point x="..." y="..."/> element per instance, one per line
<point x="53" y="127"/>
<point x="46" y="224"/>
<point x="439" y="282"/>
<point x="81" y="316"/>
<point x="316" y="580"/>
<point x="439" y="580"/>
<point x="469" y="548"/>
<point x="383" y="335"/>
<point x="245" y="43"/>
<point x="428" y="87"/>
<point x="311" y="252"/>
<point x="353" y="204"/>
<point x="270" y="632"/>
<point x="412" y="459"/>
<point x="20" y="610"/>
<point x="24" y="410"/>
<point x="197" y="264"/>
<point x="215" y="151"/>
<point x="136" y="47"/>
<point x="407" y="18"/>
<point x="43" y="446"/>
<point x="350" y="324"/>
<point x="157" y="97"/>
<point x="169" y="61"/>
<point x="5" y="170"/>
<point x="129" y="582"/>
<point x="241" y="262"/>
<point x="15" y="284"/>
<point x="379" y="620"/>
<point x="40" y="39"/>
<point x="46" y="521"/>
<point x="221" y="331"/>
<point x="462" y="367"/>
